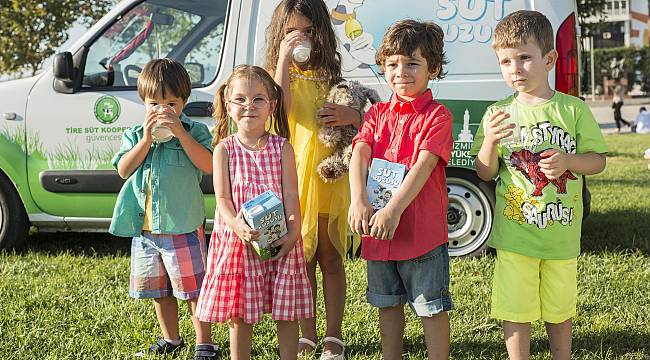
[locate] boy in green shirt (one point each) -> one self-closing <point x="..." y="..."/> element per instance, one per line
<point x="539" y="208"/>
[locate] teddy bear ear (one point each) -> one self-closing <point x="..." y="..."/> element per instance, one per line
<point x="372" y="95"/>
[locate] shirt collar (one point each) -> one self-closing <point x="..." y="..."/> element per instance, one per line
<point x="417" y="105"/>
<point x="185" y="119"/>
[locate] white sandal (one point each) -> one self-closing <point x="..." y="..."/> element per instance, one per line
<point x="327" y="355"/>
<point x="307" y="342"/>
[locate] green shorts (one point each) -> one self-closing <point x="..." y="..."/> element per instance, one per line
<point x="525" y="289"/>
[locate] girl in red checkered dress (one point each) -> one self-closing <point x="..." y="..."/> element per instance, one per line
<point x="238" y="287"/>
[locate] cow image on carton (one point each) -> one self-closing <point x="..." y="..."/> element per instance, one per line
<point x="384" y="179"/>
<point x="265" y="213"/>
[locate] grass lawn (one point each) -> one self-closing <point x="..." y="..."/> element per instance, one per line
<point x="66" y="295"/>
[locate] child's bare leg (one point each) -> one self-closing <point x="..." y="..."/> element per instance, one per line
<point x="308" y="326"/>
<point x="331" y="266"/>
<point x="559" y="335"/>
<point x="167" y="314"/>
<point x="288" y="339"/>
<point x="517" y="337"/>
<point x="391" y="326"/>
<point x="436" y="335"/>
<point x="202" y="329"/>
<point x="241" y="339"/>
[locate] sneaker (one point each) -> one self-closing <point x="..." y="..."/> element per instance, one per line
<point x="206" y="352"/>
<point x="161" y="347"/>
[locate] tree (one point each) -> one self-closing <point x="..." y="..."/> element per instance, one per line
<point x="587" y="9"/>
<point x="32" y="30"/>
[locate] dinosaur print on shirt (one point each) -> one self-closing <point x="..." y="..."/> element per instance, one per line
<point x="527" y="163"/>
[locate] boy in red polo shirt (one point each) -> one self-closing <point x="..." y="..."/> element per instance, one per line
<point x="405" y="243"/>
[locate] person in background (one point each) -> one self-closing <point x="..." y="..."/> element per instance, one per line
<point x="617" y="104"/>
<point x="642" y="121"/>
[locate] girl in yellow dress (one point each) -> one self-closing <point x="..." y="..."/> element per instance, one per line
<point x="324" y="206"/>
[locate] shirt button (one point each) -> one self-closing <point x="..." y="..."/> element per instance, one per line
<point x="140" y="214"/>
<point x="146" y="166"/>
<point x="393" y="150"/>
<point x="401" y="121"/>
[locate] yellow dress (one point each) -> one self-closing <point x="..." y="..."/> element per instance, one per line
<point x="319" y="201"/>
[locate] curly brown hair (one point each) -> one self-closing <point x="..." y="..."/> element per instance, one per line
<point x="279" y="121"/>
<point x="406" y="36"/>
<point x="325" y="57"/>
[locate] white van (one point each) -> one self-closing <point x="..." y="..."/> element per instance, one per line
<point x="60" y="129"/>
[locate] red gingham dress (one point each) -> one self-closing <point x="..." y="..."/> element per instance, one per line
<point x="237" y="283"/>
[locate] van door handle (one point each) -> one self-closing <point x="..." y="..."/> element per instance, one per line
<point x="65" y="180"/>
<point x="10" y="116"/>
<point x="198" y="109"/>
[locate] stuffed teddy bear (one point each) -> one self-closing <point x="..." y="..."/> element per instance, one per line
<point x="354" y="95"/>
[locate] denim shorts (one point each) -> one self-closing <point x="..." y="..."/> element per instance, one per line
<point x="423" y="282"/>
<point x="167" y="265"/>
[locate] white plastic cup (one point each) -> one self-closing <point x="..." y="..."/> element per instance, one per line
<point x="302" y="52"/>
<point x="514" y="139"/>
<point x="161" y="133"/>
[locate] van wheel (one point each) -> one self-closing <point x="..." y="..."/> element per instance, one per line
<point x="470" y="212"/>
<point x="13" y="218"/>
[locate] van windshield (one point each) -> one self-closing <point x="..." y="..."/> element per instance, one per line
<point x="190" y="32"/>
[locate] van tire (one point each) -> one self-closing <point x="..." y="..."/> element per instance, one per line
<point x="14" y="224"/>
<point x="470" y="212"/>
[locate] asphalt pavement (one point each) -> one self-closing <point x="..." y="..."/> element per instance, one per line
<point x="604" y="114"/>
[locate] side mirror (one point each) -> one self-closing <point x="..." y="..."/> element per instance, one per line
<point x="63" y="67"/>
<point x="196" y="72"/>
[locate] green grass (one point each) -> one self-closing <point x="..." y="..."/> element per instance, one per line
<point x="68" y="156"/>
<point x="66" y="296"/>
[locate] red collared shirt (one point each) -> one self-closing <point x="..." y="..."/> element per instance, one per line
<point x="397" y="131"/>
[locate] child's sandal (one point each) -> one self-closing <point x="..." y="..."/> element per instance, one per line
<point x="309" y="343"/>
<point x="327" y="355"/>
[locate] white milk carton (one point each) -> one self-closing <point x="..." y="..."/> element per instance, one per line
<point x="384" y="179"/>
<point x="265" y="213"/>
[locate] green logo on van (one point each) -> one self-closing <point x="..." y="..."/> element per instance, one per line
<point x="107" y="109"/>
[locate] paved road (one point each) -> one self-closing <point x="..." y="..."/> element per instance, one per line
<point x="604" y="113"/>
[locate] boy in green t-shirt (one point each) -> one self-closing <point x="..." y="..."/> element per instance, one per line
<point x="539" y="208"/>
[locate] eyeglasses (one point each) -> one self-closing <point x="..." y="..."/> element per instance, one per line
<point x="256" y="102"/>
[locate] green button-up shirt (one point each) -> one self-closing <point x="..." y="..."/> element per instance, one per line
<point x="177" y="199"/>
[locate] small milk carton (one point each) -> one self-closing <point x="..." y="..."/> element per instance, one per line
<point x="265" y="213"/>
<point x="385" y="177"/>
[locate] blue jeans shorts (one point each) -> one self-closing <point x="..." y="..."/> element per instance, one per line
<point x="423" y="282"/>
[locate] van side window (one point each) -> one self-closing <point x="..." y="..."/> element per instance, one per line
<point x="190" y="32"/>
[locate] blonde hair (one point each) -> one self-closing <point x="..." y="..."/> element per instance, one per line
<point x="279" y="121"/>
<point x="406" y="36"/>
<point x="164" y="75"/>
<point x="520" y="27"/>
<point x="325" y="59"/>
